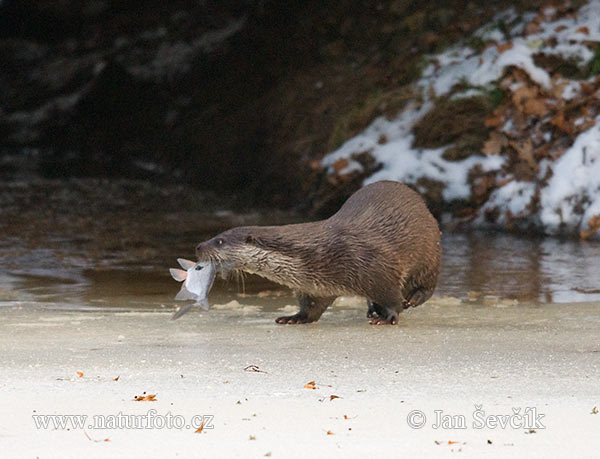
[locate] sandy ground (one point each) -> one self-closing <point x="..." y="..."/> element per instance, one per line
<point x="449" y="363"/>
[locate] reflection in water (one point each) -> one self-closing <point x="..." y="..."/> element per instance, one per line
<point x="528" y="269"/>
<point x="90" y="243"/>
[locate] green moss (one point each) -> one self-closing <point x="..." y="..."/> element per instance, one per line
<point x="593" y="67"/>
<point x="496" y="96"/>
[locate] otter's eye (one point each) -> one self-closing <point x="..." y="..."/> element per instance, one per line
<point x="220" y="242"/>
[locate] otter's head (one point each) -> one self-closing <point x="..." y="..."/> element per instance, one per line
<point x="236" y="249"/>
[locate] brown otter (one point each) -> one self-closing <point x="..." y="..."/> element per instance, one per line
<point x="383" y="244"/>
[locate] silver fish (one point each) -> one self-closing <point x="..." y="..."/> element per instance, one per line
<point x="197" y="281"/>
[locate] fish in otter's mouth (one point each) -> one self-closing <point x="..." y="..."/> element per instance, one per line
<point x="197" y="281"/>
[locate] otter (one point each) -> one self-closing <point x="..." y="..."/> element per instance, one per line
<point x="382" y="244"/>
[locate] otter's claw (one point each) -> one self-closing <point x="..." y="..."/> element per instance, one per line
<point x="295" y="319"/>
<point x="391" y="319"/>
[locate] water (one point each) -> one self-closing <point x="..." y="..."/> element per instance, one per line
<point x="89" y="244"/>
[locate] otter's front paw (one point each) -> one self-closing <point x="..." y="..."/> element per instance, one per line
<point x="298" y="318"/>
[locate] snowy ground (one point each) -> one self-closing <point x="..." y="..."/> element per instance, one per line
<point x="563" y="192"/>
<point x="246" y="376"/>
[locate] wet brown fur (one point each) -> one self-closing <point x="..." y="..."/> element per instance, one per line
<point x="383" y="244"/>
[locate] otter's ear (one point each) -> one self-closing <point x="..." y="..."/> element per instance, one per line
<point x="249" y="239"/>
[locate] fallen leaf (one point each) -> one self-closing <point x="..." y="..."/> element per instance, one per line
<point x="332" y="397"/>
<point x="560" y="28"/>
<point x="329" y="432"/>
<point x="450" y="442"/>
<point x="525" y="152"/>
<point x="594" y="225"/>
<point x="345" y="416"/>
<point x="561" y="123"/>
<point x="254" y="369"/>
<point x="201" y="428"/>
<point x="494" y="120"/>
<point x="584" y="30"/>
<point x="106" y="439"/>
<point x="80" y="374"/>
<point x="595" y="410"/>
<point x="145" y="398"/>
<point x="493" y="146"/>
<point x="505" y="46"/>
<point x="339" y="165"/>
<point x="252" y="437"/>
<point x="117" y="378"/>
<point x="310" y="385"/>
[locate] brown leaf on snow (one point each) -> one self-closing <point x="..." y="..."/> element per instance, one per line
<point x="117" y="378"/>
<point x="525" y="151"/>
<point x="584" y="30"/>
<point x="560" y="28"/>
<point x="493" y="146"/>
<point x="339" y="165"/>
<point x="333" y="397"/>
<point x="145" y="398"/>
<point x="80" y="374"/>
<point x="310" y="385"/>
<point x="505" y="46"/>
<point x="561" y="123"/>
<point x="329" y="432"/>
<point x="594" y="225"/>
<point x="535" y="107"/>
<point x="528" y="101"/>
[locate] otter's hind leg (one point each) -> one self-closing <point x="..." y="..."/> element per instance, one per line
<point x="375" y="310"/>
<point x="382" y="315"/>
<point x="311" y="309"/>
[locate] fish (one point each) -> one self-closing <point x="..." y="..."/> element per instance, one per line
<point x="197" y="281"/>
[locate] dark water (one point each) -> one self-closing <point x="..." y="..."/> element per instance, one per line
<point x="96" y="244"/>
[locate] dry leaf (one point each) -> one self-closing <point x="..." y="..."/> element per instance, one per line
<point x="525" y="151"/>
<point x="145" y="398"/>
<point x="450" y="442"/>
<point x="339" y="165"/>
<point x="80" y="374"/>
<point x="505" y="46"/>
<point x="201" y="428"/>
<point x="329" y="432"/>
<point x="310" y="385"/>
<point x="535" y="107"/>
<point x="584" y="30"/>
<point x="594" y="225"/>
<point x="345" y="416"/>
<point x="333" y="397"/>
<point x="117" y="378"/>
<point x="493" y="146"/>
<point x="560" y="28"/>
<point x="561" y="123"/>
<point x="254" y="369"/>
<point x="494" y="120"/>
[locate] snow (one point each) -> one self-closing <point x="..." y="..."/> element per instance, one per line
<point x="572" y="195"/>
<point x="575" y="185"/>
<point x="403" y="163"/>
<point x="513" y="197"/>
